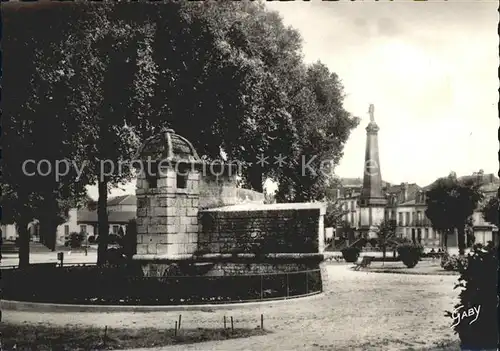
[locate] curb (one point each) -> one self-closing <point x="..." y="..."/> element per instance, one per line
<point x="11" y="305"/>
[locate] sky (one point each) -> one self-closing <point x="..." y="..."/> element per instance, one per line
<point x="430" y="69"/>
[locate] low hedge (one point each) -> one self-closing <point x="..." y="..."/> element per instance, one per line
<point x="126" y="285"/>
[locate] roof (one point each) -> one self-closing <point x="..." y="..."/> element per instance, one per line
<point x="113" y="217"/>
<point x="484" y="179"/>
<point x="166" y="145"/>
<point x="123" y="200"/>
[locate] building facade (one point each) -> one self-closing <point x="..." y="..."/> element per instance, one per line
<point x="406" y="205"/>
<point x="370" y="200"/>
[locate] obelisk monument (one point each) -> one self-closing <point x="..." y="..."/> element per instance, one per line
<point x="372" y="200"/>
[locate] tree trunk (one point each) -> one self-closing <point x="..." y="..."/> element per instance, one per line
<point x="48" y="228"/>
<point x="24" y="244"/>
<point x="383" y="254"/>
<point x="102" y="218"/>
<point x="445" y="240"/>
<point x="461" y="241"/>
<point x="255" y="178"/>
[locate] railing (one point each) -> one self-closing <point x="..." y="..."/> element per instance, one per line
<point x="126" y="286"/>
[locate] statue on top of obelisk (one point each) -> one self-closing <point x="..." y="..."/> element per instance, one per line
<point x="371" y="111"/>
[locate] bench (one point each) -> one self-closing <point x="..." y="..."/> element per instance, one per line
<point x="365" y="262"/>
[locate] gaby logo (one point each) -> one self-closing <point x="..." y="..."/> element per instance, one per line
<point x="459" y="315"/>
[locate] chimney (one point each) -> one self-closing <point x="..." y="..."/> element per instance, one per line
<point x="404" y="191"/>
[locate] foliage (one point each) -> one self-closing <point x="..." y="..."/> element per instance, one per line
<point x="386" y="235"/>
<point x="450" y="204"/>
<point x="76" y="239"/>
<point x="454" y="262"/>
<point x="490" y="211"/>
<point x="410" y="253"/>
<point x="351" y="254"/>
<point x="478" y="283"/>
<point x="107" y="76"/>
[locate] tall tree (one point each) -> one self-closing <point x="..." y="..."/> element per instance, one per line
<point x="490" y="211"/>
<point x="34" y="128"/>
<point x="450" y="203"/>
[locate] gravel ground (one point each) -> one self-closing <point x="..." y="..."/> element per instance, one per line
<point x="358" y="311"/>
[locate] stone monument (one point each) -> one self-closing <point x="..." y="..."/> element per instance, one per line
<point x="372" y="201"/>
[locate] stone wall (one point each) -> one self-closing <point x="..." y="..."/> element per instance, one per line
<point x="286" y="228"/>
<point x="205" y="266"/>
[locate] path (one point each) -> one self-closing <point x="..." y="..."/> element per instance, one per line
<point x="359" y="311"/>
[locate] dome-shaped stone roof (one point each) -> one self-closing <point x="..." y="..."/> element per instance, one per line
<point x="167" y="145"/>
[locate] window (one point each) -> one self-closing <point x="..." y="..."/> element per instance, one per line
<point x="83" y="228"/>
<point x="413" y="236"/>
<point x="352" y="205"/>
<point x="400" y="218"/>
<point x="426" y="234"/>
<point x="116" y="228"/>
<point x="66" y="229"/>
<point x="152" y="175"/>
<point x="181" y="181"/>
<point x="407" y="218"/>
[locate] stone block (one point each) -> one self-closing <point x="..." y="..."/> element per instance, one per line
<point x="141" y="212"/>
<point x="185" y="220"/>
<point x="172" y="229"/>
<point x="152" y="249"/>
<point x="142" y="249"/>
<point x="171" y="211"/>
<point x="142" y="229"/>
<point x="194" y="220"/>
<point x="192" y="211"/>
<point x="192" y="228"/>
<point x="172" y="220"/>
<point x="192" y="237"/>
<point x="188" y="248"/>
<point x="162" y="249"/>
<point x="153" y="201"/>
<point x="162" y="183"/>
<point x="195" y="202"/>
<point x="173" y="249"/>
<point x="171" y="182"/>
<point x="157" y="228"/>
<point x="181" y="228"/>
<point x="160" y="212"/>
<point x="175" y="238"/>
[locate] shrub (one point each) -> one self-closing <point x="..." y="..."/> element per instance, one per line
<point x="410" y="254"/>
<point x="453" y="263"/>
<point x="114" y="239"/>
<point x="91" y="239"/>
<point x="76" y="239"/>
<point x="129" y="241"/>
<point x="478" y="281"/>
<point x="351" y="254"/>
